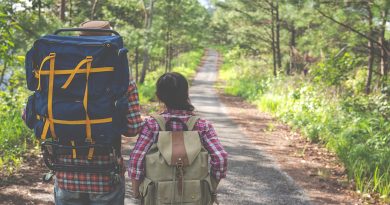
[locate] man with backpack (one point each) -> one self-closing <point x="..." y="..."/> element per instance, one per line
<point x="83" y="102"/>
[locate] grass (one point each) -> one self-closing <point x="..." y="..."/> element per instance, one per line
<point x="15" y="137"/>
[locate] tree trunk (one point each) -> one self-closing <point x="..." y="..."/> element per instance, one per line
<point x="371" y="51"/>
<point x="292" y="46"/>
<point x="273" y="40"/>
<point x="2" y="75"/>
<point x="39" y="10"/>
<point x="136" y="63"/>
<point x="148" y="25"/>
<point x="93" y="9"/>
<point x="145" y="65"/>
<point x="70" y="12"/>
<point x="170" y="55"/>
<point x="277" y="22"/>
<point x="62" y="10"/>
<point x="167" y="51"/>
<point x="382" y="40"/>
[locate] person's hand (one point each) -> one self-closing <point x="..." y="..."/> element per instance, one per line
<point x="135" y="185"/>
<point x="136" y="195"/>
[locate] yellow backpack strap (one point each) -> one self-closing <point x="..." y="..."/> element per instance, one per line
<point x="85" y="103"/>
<point x="160" y="120"/>
<point x="191" y="122"/>
<point x="91" y="150"/>
<point x="88" y="59"/>
<point x="50" y="96"/>
<point x="44" y="130"/>
<point x="50" y="57"/>
<point x="74" y="153"/>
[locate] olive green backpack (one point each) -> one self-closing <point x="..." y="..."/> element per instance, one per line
<point x="177" y="168"/>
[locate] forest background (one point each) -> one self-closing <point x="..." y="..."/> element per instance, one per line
<point x="320" y="66"/>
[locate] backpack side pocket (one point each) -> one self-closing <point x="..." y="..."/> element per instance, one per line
<point x="30" y="70"/>
<point x="147" y="191"/>
<point x="31" y="115"/>
<point x="120" y="114"/>
<point x="121" y="74"/>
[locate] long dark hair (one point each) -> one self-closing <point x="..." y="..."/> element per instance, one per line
<point x="172" y="90"/>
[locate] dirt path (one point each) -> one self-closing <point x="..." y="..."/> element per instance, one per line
<point x="253" y="177"/>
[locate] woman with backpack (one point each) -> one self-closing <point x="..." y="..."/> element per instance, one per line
<point x="169" y="163"/>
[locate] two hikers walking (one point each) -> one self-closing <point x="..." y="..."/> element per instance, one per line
<point x="83" y="102"/>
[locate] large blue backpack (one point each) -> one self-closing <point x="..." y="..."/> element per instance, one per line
<point x="79" y="85"/>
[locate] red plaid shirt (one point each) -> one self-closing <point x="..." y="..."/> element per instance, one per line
<point x="93" y="182"/>
<point x="83" y="181"/>
<point x="149" y="134"/>
<point x="134" y="120"/>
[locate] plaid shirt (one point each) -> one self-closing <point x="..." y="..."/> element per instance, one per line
<point x="134" y="120"/>
<point x="83" y="181"/>
<point x="149" y="134"/>
<point x="93" y="182"/>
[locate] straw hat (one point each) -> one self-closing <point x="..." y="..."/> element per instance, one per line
<point x="95" y="25"/>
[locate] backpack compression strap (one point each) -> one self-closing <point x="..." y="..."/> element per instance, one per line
<point x="48" y="123"/>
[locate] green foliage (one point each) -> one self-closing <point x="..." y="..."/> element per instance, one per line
<point x="14" y="135"/>
<point x="355" y="127"/>
<point x="334" y="70"/>
<point x="186" y="64"/>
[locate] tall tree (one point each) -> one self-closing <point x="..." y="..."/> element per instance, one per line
<point x="273" y="37"/>
<point x="93" y="10"/>
<point x="383" y="54"/>
<point x="62" y="10"/>
<point x="277" y="33"/>
<point x="370" y="48"/>
<point x="148" y="25"/>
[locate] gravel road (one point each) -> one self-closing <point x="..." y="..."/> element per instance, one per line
<point x="253" y="177"/>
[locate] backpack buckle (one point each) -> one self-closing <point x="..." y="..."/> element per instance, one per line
<point x="179" y="163"/>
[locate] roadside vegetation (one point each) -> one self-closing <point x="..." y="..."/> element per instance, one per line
<point x="321" y="70"/>
<point x="356" y="128"/>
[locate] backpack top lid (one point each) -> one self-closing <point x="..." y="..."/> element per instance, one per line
<point x="115" y="41"/>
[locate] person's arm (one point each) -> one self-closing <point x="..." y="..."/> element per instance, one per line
<point x="136" y="163"/>
<point x="134" y="120"/>
<point x="135" y="185"/>
<point x="218" y="155"/>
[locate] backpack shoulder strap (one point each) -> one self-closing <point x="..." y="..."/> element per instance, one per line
<point x="191" y="122"/>
<point x="160" y="120"/>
